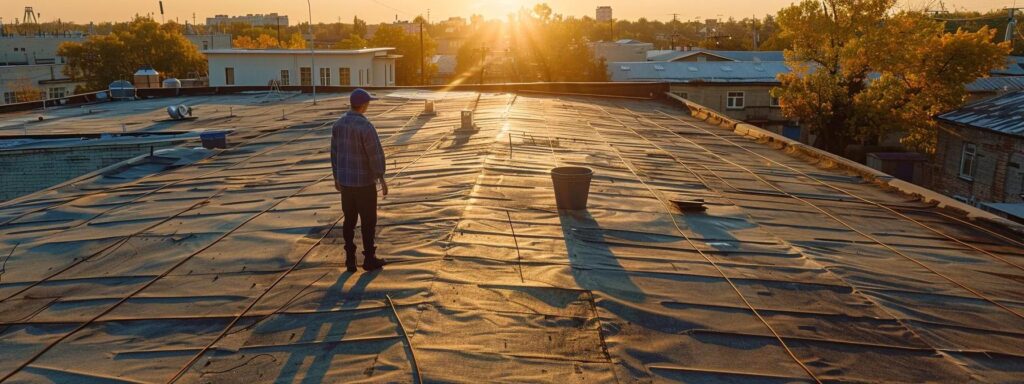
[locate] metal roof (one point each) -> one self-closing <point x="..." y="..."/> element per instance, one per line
<point x="694" y="71"/>
<point x="1014" y="67"/>
<point x="731" y="55"/>
<point x="1004" y="114"/>
<point x="997" y="84"/>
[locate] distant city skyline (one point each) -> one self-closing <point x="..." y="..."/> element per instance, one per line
<point x="376" y="11"/>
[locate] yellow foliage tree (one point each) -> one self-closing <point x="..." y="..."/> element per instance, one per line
<point x="862" y="71"/>
<point x="264" y="41"/>
<point x="101" y="59"/>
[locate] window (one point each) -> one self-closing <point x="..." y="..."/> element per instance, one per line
<point x="735" y="100"/>
<point x="360" y="77"/>
<point x="206" y="45"/>
<point x="305" y="76"/>
<point x="56" y="93"/>
<point x="968" y="158"/>
<point x="10" y="97"/>
<point x="229" y="76"/>
<point x="286" y="78"/>
<point x="325" y="76"/>
<point x="774" y="101"/>
<point x="345" y="76"/>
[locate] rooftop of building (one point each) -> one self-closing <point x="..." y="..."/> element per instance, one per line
<point x="229" y="269"/>
<point x="296" y="51"/>
<point x="698" y="71"/>
<point x="673" y="55"/>
<point x="1003" y="114"/>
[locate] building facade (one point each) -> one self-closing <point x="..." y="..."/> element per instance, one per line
<point x="373" y="67"/>
<point x="739" y="90"/>
<point x="208" y="41"/>
<point x="980" y="154"/>
<point x="258" y="20"/>
<point x="622" y="50"/>
<point x="30" y="68"/>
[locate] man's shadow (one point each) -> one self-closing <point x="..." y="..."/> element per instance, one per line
<point x="323" y="356"/>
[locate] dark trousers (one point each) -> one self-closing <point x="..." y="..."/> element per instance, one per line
<point x="359" y="203"/>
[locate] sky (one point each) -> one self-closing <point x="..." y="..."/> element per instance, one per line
<point x="375" y="11"/>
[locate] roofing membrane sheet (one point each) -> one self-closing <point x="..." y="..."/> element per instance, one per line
<point x="230" y="269"/>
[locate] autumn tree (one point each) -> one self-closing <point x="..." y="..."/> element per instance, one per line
<point x="295" y="41"/>
<point x="24" y="91"/>
<point x="353" y="41"/>
<point x="101" y="59"/>
<point x="862" y="71"/>
<point x="407" y="68"/>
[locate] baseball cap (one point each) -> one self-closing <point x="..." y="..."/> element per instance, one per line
<point x="360" y="96"/>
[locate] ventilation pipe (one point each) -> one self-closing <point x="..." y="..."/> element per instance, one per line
<point x="1011" y="26"/>
<point x="467" y="119"/>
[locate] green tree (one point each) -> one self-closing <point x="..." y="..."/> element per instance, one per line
<point x="407" y="68"/>
<point x="862" y="71"/>
<point x="101" y="59"/>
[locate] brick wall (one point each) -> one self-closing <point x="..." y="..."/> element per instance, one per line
<point x="29" y="170"/>
<point x="999" y="167"/>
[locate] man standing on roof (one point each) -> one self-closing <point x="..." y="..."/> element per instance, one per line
<point x="357" y="161"/>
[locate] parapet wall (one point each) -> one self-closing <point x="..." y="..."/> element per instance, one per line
<point x="617" y="89"/>
<point x="827" y="159"/>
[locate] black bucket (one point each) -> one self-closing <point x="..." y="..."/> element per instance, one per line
<point x="572" y="186"/>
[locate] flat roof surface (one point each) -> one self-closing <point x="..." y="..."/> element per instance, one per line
<point x="230" y="269"/>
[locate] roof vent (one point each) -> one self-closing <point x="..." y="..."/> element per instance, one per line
<point x="179" y="112"/>
<point x="690" y="205"/>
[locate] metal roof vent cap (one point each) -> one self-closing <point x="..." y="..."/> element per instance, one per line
<point x="467" y="119"/>
<point x="171" y="82"/>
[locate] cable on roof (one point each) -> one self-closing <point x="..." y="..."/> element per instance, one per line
<point x="693" y="244"/>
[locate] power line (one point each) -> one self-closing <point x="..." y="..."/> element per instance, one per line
<point x="380" y="3"/>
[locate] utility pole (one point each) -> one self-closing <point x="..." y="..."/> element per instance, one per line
<point x="279" y="31"/>
<point x="423" y="57"/>
<point x="483" y="57"/>
<point x="312" y="51"/>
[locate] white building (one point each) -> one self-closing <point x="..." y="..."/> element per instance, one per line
<point x="374" y="67"/>
<point x="258" y="20"/>
<point x="604" y="13"/>
<point x="17" y="82"/>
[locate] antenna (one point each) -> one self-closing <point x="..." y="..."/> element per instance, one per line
<point x="30" y="16"/>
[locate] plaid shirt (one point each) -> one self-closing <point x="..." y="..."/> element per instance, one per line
<point x="357" y="158"/>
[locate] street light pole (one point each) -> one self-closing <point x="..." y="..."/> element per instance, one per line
<point x="312" y="53"/>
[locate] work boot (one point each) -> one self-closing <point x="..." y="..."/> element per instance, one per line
<point x="370" y="260"/>
<point x="350" y="258"/>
